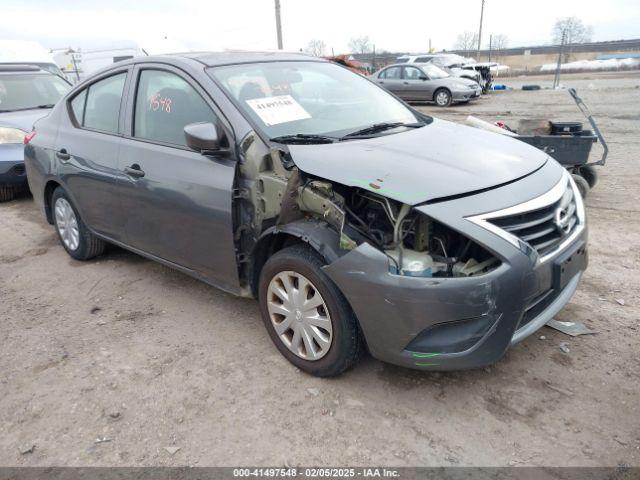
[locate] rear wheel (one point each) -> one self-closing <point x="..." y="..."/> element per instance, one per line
<point x="74" y="235"/>
<point x="7" y="192"/>
<point x="581" y="183"/>
<point x="442" y="97"/>
<point x="307" y="317"/>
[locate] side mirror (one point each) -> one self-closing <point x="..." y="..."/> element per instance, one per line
<point x="205" y="138"/>
<point x="423" y="77"/>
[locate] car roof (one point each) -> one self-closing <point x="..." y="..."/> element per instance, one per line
<point x="211" y="59"/>
<point x="19" y="67"/>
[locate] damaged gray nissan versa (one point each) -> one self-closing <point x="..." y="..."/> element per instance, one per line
<point x="357" y="222"/>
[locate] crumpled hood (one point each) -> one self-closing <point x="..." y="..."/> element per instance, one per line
<point x="438" y="160"/>
<point x="23" y="119"/>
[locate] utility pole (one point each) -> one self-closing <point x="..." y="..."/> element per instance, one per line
<point x="279" y="24"/>
<point x="556" y="79"/>
<point x="373" y="62"/>
<point x="480" y="31"/>
<point x="429" y="45"/>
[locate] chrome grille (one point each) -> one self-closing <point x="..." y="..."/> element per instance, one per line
<point x="543" y="229"/>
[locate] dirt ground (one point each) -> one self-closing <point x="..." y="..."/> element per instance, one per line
<point x="114" y="361"/>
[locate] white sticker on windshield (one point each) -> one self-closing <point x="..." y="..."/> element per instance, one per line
<point x="275" y="110"/>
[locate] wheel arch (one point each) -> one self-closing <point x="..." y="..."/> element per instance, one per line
<point x="49" y="188"/>
<point x="318" y="235"/>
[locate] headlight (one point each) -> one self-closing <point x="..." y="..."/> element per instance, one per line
<point x="11" y="135"/>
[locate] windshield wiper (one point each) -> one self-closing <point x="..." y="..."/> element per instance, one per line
<point x="303" y="138"/>
<point x="381" y="127"/>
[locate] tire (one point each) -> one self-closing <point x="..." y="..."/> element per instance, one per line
<point x="590" y="174"/>
<point x="442" y="94"/>
<point x="345" y="344"/>
<point x="7" y="192"/>
<point x="581" y="183"/>
<point x="81" y="244"/>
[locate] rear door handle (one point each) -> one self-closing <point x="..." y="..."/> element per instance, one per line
<point x="134" y="171"/>
<point x="406" y="83"/>
<point x="63" y="155"/>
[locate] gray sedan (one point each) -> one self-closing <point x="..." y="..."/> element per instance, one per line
<point x="356" y="221"/>
<point x="426" y="83"/>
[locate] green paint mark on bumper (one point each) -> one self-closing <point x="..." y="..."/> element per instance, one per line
<point x="424" y="355"/>
<point x="423" y="364"/>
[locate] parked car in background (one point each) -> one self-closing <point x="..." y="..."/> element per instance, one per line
<point x="455" y="65"/>
<point x="13" y="52"/>
<point x="425" y="82"/>
<point x="27" y="93"/>
<point x="357" y="221"/>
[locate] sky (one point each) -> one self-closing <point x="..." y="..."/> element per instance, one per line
<point x="398" y="26"/>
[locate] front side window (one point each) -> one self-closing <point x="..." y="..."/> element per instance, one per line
<point x="165" y="104"/>
<point x="98" y="106"/>
<point x="317" y="98"/>
<point x="423" y="59"/>
<point x="24" y="91"/>
<point x="391" y="73"/>
<point x="434" y="72"/>
<point x="412" y="73"/>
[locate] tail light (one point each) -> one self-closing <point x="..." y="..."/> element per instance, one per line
<point x="29" y="136"/>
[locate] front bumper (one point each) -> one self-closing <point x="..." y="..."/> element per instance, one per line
<point x="466" y="94"/>
<point x="463" y="322"/>
<point x="12" y="170"/>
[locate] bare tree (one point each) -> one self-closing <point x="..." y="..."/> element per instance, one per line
<point x="360" y="45"/>
<point x="467" y="42"/>
<point x="573" y="30"/>
<point x="316" y="48"/>
<point x="498" y="44"/>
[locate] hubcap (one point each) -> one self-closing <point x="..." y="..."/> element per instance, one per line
<point x="442" y="98"/>
<point x="299" y="315"/>
<point x="67" y="224"/>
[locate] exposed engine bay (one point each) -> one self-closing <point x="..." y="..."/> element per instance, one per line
<point x="277" y="193"/>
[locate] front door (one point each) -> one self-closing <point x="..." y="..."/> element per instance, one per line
<point x="416" y="88"/>
<point x="177" y="201"/>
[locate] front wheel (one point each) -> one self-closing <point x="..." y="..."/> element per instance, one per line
<point x="74" y="235"/>
<point x="305" y="314"/>
<point x="442" y="97"/>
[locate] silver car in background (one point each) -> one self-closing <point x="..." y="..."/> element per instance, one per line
<point x="426" y="83"/>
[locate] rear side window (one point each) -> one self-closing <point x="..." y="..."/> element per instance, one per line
<point x="165" y="103"/>
<point x="77" y="105"/>
<point x="98" y="106"/>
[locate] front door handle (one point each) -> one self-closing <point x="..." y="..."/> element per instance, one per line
<point x="134" y="171"/>
<point x="63" y="155"/>
<point x="406" y="83"/>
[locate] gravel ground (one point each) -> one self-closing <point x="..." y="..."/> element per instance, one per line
<point x="117" y="360"/>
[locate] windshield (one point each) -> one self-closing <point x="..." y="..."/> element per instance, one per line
<point x="24" y="91"/>
<point x="317" y="98"/>
<point x="434" y="72"/>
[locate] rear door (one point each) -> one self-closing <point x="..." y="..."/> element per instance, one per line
<point x="177" y="201"/>
<point x="87" y="148"/>
<point x="391" y="79"/>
